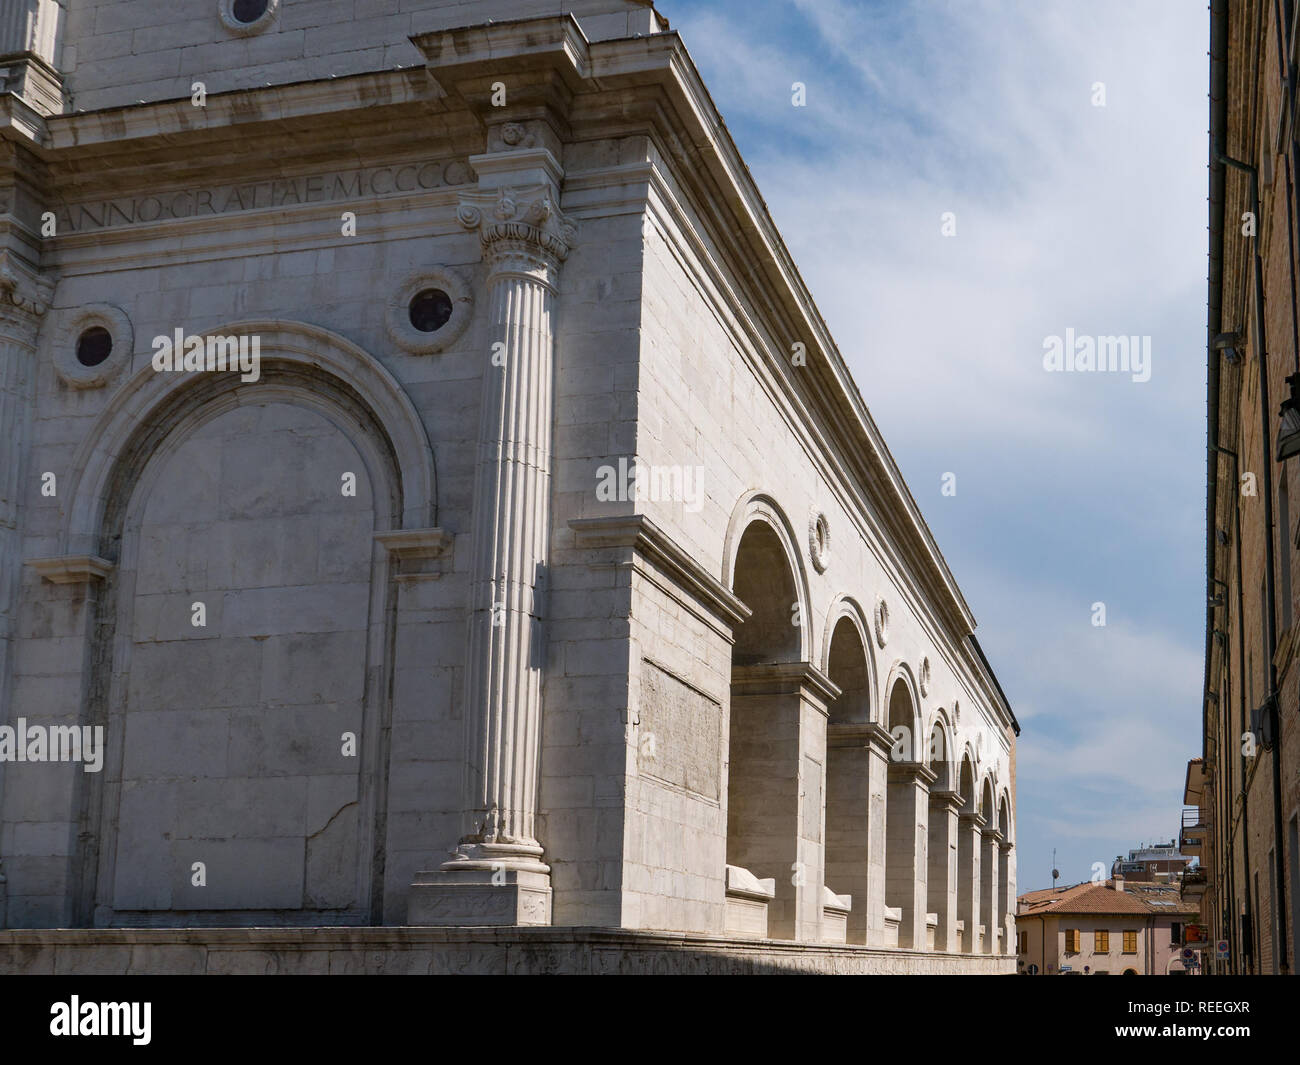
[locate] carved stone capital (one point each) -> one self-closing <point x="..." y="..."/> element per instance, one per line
<point x="947" y="801"/>
<point x="912" y="773"/>
<point x="522" y="230"/>
<point x="24" y="294"/>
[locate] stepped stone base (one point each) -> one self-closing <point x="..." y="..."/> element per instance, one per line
<point x="406" y="950"/>
<point x="458" y="897"/>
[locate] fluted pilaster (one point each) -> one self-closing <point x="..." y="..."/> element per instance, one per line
<point x="525" y="238"/>
<point x="24" y="297"/>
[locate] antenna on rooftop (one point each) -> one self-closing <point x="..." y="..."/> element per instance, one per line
<point x="1055" y="871"/>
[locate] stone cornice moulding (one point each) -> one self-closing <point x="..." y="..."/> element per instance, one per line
<point x="22" y="121"/>
<point x="949" y="800"/>
<point x="30" y="77"/>
<point x="72" y="569"/>
<point x="912" y="771"/>
<point x="415" y="543"/>
<point x="555" y="42"/>
<point x="863" y="734"/>
<point x="233" y="108"/>
<point x="419" y="553"/>
<point x="785" y="678"/>
<point x="648" y="540"/>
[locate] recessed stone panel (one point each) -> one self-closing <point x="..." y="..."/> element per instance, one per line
<point x="680" y="733"/>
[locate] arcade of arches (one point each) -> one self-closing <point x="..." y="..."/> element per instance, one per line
<point x="840" y="827"/>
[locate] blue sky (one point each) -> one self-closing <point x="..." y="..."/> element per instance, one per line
<point x="1072" y="488"/>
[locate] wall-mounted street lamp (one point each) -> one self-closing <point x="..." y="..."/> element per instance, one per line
<point x="1227" y="344"/>
<point x="1288" y="433"/>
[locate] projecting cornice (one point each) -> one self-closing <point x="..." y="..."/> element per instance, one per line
<point x="20" y="121"/>
<point x="648" y="541"/>
<point x="238" y="108"/>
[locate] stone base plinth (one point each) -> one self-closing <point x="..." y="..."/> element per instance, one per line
<point x="474" y="897"/>
<point x="597" y="951"/>
<point x="746" y="917"/>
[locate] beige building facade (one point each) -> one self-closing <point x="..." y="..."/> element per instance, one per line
<point x="430" y="492"/>
<point x="1112" y="928"/>
<point x="1241" y="818"/>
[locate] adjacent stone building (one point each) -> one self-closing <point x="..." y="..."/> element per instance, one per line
<point x="425" y="466"/>
<point x="1151" y="863"/>
<point x="1242" y="794"/>
<point x="1111" y="928"/>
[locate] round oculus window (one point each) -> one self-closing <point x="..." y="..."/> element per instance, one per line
<point x="248" y="11"/>
<point x="430" y="310"/>
<point x="94" y="346"/>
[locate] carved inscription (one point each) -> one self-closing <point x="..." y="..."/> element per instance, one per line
<point x="681" y="733"/>
<point x="338" y="186"/>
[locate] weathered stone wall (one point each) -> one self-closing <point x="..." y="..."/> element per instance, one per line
<point x="433" y="951"/>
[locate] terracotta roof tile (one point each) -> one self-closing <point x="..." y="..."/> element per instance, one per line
<point x="1103" y="898"/>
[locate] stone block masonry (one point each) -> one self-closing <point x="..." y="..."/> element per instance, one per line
<point x="526" y="609"/>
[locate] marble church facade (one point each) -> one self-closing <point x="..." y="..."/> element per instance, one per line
<point x="537" y="593"/>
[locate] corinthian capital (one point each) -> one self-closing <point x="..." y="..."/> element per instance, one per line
<point x="522" y="230"/>
<point x="24" y="294"/>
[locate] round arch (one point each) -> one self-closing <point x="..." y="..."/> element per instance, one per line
<point x="967" y="779"/>
<point x="847" y="609"/>
<point x="987" y="801"/>
<point x="760" y="507"/>
<point x="145" y="409"/>
<point x="901" y="673"/>
<point x="947" y="771"/>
